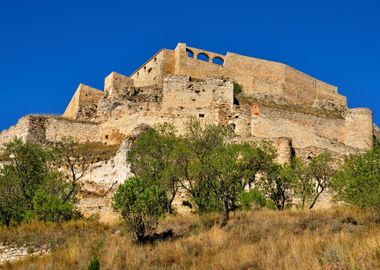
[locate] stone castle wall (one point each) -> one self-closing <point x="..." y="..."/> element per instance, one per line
<point x="352" y="131"/>
<point x="84" y="103"/>
<point x="184" y="92"/>
<point x="155" y="69"/>
<point x="41" y="129"/>
<point x="255" y="75"/>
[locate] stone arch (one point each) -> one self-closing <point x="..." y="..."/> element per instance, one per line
<point x="189" y="53"/>
<point x="218" y="60"/>
<point x="203" y="57"/>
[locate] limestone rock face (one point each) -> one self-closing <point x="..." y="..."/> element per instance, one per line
<point x="100" y="182"/>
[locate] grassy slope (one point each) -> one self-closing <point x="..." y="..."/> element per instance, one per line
<point x="333" y="239"/>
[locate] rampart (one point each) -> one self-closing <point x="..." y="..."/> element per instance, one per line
<point x="83" y="104"/>
<point x="257" y="76"/>
<point x="42" y="129"/>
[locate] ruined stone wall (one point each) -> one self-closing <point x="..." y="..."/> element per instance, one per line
<point x="255" y="75"/>
<point x="116" y="85"/>
<point x="29" y="129"/>
<point x="184" y="92"/>
<point x="300" y="88"/>
<point x="343" y="134"/>
<point x="155" y="69"/>
<point x="41" y="129"/>
<point x="84" y="103"/>
<point x="359" y="128"/>
<point x="59" y="128"/>
<point x="20" y="131"/>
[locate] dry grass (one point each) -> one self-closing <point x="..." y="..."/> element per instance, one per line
<point x="331" y="239"/>
<point x="98" y="151"/>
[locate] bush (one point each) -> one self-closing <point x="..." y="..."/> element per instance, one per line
<point x="358" y="181"/>
<point x="31" y="185"/>
<point x="94" y="264"/>
<point x="47" y="207"/>
<point x="237" y="89"/>
<point x="252" y="199"/>
<point x="141" y="205"/>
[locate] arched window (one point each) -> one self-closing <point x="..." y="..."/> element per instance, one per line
<point x="218" y="60"/>
<point x="203" y="57"/>
<point x="190" y="53"/>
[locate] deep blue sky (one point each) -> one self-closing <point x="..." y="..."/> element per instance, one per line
<point x="48" y="47"/>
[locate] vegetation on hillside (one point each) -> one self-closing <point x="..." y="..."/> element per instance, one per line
<point x="265" y="239"/>
<point x="227" y="183"/>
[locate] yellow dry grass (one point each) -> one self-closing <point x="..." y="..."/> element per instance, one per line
<point x="333" y="239"/>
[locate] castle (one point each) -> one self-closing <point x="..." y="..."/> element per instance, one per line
<point x="278" y="103"/>
<point x="299" y="114"/>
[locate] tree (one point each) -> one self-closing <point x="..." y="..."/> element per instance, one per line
<point x="277" y="182"/>
<point x="358" y="180"/>
<point x="141" y="205"/>
<point x="31" y="185"/>
<point x="11" y="200"/>
<point x="76" y="160"/>
<point x="194" y="155"/>
<point x="227" y="178"/>
<point x="153" y="158"/>
<point x="304" y="182"/>
<point x="321" y="170"/>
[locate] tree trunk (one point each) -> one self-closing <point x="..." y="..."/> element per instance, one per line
<point x="225" y="213"/>
<point x="315" y="199"/>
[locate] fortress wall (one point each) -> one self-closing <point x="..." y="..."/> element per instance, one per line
<point x="185" y="65"/>
<point x="73" y="107"/>
<point x="84" y="103"/>
<point x="29" y="129"/>
<point x="57" y="129"/>
<point x="182" y="91"/>
<point x="359" y="128"/>
<point x="155" y="69"/>
<point x="20" y="130"/>
<point x="299" y="87"/>
<point x="305" y="129"/>
<point x="327" y="97"/>
<point x="116" y="84"/>
<point x="125" y="123"/>
<point x="255" y="75"/>
<point x="303" y="89"/>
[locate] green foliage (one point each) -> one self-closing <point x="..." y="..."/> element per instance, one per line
<point x="141" y="204"/>
<point x="50" y="208"/>
<point x="31" y="185"/>
<point x="277" y="185"/>
<point x="237" y="89"/>
<point x="304" y="185"/>
<point x="94" y="264"/>
<point x="153" y="158"/>
<point x="321" y="170"/>
<point x="252" y="199"/>
<point x="358" y="180"/>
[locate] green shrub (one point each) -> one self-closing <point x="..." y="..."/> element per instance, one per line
<point x="94" y="264"/>
<point x="252" y="199"/>
<point x="47" y="207"/>
<point x="237" y="89"/>
<point x="141" y="205"/>
<point x="358" y="180"/>
<point x="32" y="185"/>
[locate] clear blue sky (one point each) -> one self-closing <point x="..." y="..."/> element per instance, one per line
<point x="48" y="47"/>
